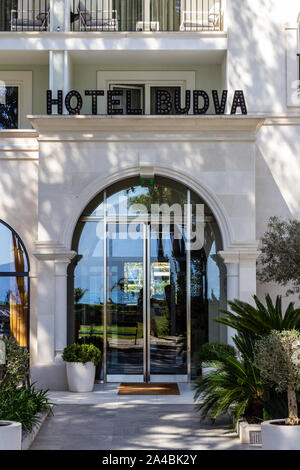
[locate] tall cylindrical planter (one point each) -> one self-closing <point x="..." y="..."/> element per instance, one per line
<point x="10" y="435"/>
<point x="81" y="377"/>
<point x="279" y="436"/>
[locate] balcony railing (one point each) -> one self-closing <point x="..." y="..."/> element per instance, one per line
<point x="115" y="15"/>
<point x="147" y="15"/>
<point x="24" y="15"/>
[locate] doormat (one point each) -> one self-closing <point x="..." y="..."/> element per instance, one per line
<point x="148" y="389"/>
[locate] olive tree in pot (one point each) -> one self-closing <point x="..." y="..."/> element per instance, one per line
<point x="277" y="356"/>
<point x="81" y="360"/>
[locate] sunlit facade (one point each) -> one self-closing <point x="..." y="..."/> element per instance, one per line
<point x="108" y="110"/>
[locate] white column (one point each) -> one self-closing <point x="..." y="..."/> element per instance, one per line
<point x="53" y="261"/>
<point x="241" y="275"/>
<point x="231" y="260"/>
<point x="60" y="317"/>
<point x="45" y="309"/>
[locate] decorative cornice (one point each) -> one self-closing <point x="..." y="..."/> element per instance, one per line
<point x="47" y="250"/>
<point x="202" y="127"/>
<point x="238" y="252"/>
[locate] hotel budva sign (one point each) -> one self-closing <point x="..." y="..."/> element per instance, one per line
<point x="196" y="102"/>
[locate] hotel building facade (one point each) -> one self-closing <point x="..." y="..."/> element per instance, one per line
<point x="109" y="108"/>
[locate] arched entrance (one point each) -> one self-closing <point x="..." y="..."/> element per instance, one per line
<point x="143" y="293"/>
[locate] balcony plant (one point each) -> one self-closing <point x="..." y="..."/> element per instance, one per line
<point x="277" y="356"/>
<point x="81" y="360"/>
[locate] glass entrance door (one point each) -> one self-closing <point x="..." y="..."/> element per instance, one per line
<point x="167" y="305"/>
<point x="146" y="327"/>
<point x="125" y="303"/>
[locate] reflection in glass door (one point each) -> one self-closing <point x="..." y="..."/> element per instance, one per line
<point x="125" y="303"/>
<point x="167" y="309"/>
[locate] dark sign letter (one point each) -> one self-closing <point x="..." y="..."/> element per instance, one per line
<point x="163" y="102"/>
<point x="178" y="108"/>
<point x="94" y="94"/>
<point x="77" y="108"/>
<point x="111" y="102"/>
<point x="128" y="106"/>
<point x="205" y="97"/>
<point x="239" y="102"/>
<point x="51" y="102"/>
<point x="220" y="108"/>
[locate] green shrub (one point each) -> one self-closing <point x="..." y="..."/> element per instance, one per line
<point x="214" y="352"/>
<point x="22" y="405"/>
<point x="233" y="386"/>
<point x="277" y="358"/>
<point x="16" y="369"/>
<point x="260" y="320"/>
<point x="82" y="353"/>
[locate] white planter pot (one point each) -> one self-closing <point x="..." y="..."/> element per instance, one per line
<point x="10" y="435"/>
<point x="81" y="377"/>
<point x="276" y="437"/>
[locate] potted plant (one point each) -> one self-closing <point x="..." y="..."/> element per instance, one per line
<point x="277" y="356"/>
<point x="81" y="360"/>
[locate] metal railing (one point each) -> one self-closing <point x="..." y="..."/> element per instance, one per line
<point x="24" y="15"/>
<point x="116" y="15"/>
<point x="147" y="15"/>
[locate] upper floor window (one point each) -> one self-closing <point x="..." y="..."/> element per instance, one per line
<point x="143" y="87"/>
<point x="15" y="99"/>
<point x="14" y="286"/>
<point x="9" y="107"/>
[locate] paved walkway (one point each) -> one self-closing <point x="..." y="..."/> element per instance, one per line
<point x="104" y="420"/>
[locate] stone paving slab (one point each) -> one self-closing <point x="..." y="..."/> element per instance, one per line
<point x="131" y="426"/>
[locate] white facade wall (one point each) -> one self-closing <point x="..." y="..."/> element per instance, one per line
<point x="246" y="168"/>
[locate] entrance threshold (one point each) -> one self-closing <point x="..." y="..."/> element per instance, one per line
<point x="153" y="378"/>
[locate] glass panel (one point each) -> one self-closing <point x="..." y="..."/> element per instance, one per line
<point x="6" y="6"/>
<point x="88" y="287"/>
<point x="167" y="13"/>
<point x="168" y="319"/>
<point x="9" y="107"/>
<point x="128" y="13"/>
<point x="14" y="308"/>
<point x="125" y="280"/>
<point x="12" y="254"/>
<point x="208" y="293"/>
<point x="132" y="197"/>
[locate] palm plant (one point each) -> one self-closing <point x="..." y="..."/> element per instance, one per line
<point x="234" y="385"/>
<point x="260" y="320"/>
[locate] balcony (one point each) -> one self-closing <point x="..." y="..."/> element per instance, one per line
<point x="114" y="15"/>
<point x="147" y="15"/>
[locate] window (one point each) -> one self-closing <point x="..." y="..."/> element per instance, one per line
<point x="14" y="286"/>
<point x="15" y="99"/>
<point x="143" y="86"/>
<point x="9" y="107"/>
